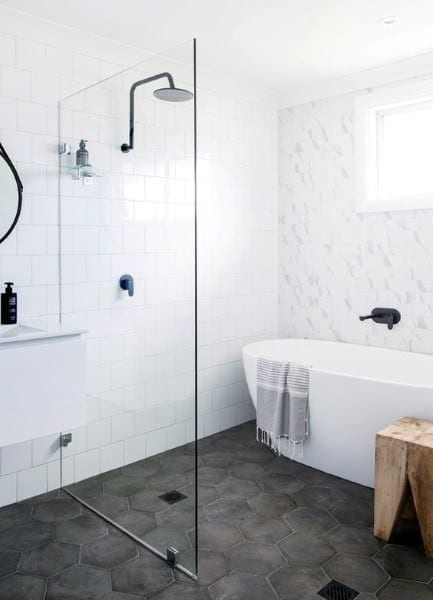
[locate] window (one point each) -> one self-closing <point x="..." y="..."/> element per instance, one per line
<point x="394" y="149"/>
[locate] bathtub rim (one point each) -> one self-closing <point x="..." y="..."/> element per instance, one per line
<point x="341" y="373"/>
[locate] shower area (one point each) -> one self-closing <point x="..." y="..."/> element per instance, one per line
<point x="127" y="195"/>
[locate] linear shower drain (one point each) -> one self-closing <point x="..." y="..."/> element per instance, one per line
<point x="172" y="497"/>
<point x="335" y="590"/>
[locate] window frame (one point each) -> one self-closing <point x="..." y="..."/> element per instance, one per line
<point x="369" y="110"/>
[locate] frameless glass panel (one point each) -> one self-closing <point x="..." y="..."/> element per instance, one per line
<point x="128" y="278"/>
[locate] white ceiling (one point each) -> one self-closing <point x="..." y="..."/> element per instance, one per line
<point x="281" y="44"/>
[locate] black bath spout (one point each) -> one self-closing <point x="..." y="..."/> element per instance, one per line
<point x="387" y="316"/>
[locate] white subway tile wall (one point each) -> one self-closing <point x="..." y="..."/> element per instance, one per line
<point x="137" y="218"/>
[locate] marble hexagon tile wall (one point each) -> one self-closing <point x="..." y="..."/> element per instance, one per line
<point x="336" y="264"/>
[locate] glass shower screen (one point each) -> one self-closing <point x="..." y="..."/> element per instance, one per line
<point x="127" y="161"/>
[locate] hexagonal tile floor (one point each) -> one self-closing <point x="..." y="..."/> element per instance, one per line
<point x="269" y="528"/>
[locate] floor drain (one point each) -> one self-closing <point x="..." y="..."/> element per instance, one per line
<point x="335" y="590"/>
<point x="172" y="497"/>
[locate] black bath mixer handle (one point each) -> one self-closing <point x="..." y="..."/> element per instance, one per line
<point x="387" y="316"/>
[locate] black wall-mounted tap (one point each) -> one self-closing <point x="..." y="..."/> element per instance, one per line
<point x="387" y="316"/>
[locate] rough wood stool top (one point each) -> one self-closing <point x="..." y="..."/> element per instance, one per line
<point x="409" y="429"/>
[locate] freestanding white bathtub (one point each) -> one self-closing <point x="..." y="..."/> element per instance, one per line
<point x="354" y="392"/>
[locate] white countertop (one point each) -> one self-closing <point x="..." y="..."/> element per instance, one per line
<point x="22" y="333"/>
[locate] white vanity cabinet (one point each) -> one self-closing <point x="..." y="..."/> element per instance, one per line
<point x="42" y="382"/>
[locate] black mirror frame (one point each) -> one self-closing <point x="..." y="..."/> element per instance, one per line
<point x="10" y="164"/>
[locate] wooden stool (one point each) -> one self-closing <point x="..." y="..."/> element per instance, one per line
<point x="404" y="478"/>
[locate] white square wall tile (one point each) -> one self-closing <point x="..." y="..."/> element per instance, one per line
<point x="156" y="442"/>
<point x="98" y="434"/>
<point x="134" y="449"/>
<point x="31" y="56"/>
<point x="32" y="482"/>
<point x="87" y="464"/>
<point x="122" y="426"/>
<point x="8" y="489"/>
<point x="16" y="457"/>
<point x="45" y="449"/>
<point x="111" y="457"/>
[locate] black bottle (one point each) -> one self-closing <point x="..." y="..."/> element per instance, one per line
<point x="82" y="154"/>
<point x="9" y="305"/>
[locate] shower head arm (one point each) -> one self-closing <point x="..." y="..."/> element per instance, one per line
<point x="134" y="86"/>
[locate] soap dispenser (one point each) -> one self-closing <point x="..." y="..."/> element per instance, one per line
<point x="8" y="305"/>
<point x="82" y="154"/>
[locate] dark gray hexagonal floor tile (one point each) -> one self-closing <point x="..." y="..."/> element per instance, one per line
<point x="311" y="520"/>
<point x="55" y="511"/>
<point x="310" y="476"/>
<point x="354" y="540"/>
<point x="227" y="510"/>
<point x="109" y="504"/>
<point x="272" y="505"/>
<point x="108" y="552"/>
<point x="137" y="522"/>
<point x="307" y="550"/>
<point x="247" y="470"/>
<point x="181" y="463"/>
<point x="211" y="475"/>
<point x="122" y="485"/>
<point x="405" y="563"/>
<point x="294" y="582"/>
<point x="26" y="536"/>
<point x="211" y="565"/>
<point x="142" y="576"/>
<point x="14" y="515"/>
<point x="148" y="501"/>
<point x="281" y="465"/>
<point x="255" y="558"/>
<point x="217" y="536"/>
<point x="166" y="480"/>
<point x="80" y="582"/>
<point x="264" y="529"/>
<point x="143" y="468"/>
<point x="87" y="488"/>
<point x="50" y="559"/>
<point x="315" y="496"/>
<point x="218" y="459"/>
<point x="358" y="572"/>
<point x="358" y="513"/>
<point x="206" y="493"/>
<point x="182" y="591"/>
<point x="180" y="515"/>
<point x="353" y="492"/>
<point x="163" y="537"/>
<point x="21" y="586"/>
<point x="241" y="586"/>
<point x="405" y="590"/>
<point x="80" y="530"/>
<point x="121" y="596"/>
<point x="237" y="488"/>
<point x="9" y="560"/>
<point x="281" y="484"/>
<point x="256" y="453"/>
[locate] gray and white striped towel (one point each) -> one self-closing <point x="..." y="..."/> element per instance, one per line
<point x="282" y="404"/>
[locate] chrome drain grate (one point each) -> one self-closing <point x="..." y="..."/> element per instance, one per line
<point x="172" y="497"/>
<point x="335" y="590"/>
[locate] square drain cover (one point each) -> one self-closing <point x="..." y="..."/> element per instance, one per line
<point x="172" y="497"/>
<point x="335" y="590"/>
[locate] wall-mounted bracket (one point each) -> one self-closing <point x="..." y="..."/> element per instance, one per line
<point x="65" y="439"/>
<point x="172" y="555"/>
<point x="64" y="149"/>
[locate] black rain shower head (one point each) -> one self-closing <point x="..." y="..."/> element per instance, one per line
<point x="168" y="94"/>
<point x="173" y="94"/>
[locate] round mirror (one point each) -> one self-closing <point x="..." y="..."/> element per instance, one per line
<point x="11" y="191"/>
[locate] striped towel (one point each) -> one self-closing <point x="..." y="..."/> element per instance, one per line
<point x="282" y="405"/>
